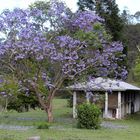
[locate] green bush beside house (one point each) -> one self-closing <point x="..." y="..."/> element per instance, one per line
<point x="88" y="116"/>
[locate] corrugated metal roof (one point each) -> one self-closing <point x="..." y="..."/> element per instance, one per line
<point x="102" y="84"/>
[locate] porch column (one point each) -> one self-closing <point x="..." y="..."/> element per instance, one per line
<point x="130" y="100"/>
<point x="118" y="116"/>
<point x="106" y="104"/>
<point x="87" y="97"/>
<point x="74" y="105"/>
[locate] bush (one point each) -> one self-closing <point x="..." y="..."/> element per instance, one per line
<point x="43" y="125"/>
<point x="88" y="116"/>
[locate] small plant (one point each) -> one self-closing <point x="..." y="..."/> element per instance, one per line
<point x="43" y="125"/>
<point x="88" y="116"/>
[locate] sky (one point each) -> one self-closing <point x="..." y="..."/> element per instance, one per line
<point x="132" y="5"/>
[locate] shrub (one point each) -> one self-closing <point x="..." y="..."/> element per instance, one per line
<point x="43" y="125"/>
<point x="88" y="116"/>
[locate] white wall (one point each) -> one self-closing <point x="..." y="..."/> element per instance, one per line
<point x="125" y="108"/>
<point x="109" y="114"/>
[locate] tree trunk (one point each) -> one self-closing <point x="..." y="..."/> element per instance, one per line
<point x="50" y="114"/>
<point x="47" y="105"/>
<point x="6" y="104"/>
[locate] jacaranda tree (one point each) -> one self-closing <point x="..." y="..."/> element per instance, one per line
<point x="39" y="52"/>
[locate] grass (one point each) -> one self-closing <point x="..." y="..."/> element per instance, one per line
<point x="64" y="127"/>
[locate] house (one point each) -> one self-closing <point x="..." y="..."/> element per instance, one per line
<point x="120" y="98"/>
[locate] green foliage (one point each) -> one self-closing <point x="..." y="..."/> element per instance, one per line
<point x="41" y="5"/>
<point x="43" y="125"/>
<point x="86" y="4"/>
<point x="92" y="38"/>
<point x="132" y="35"/>
<point x="9" y="85"/>
<point x="23" y="102"/>
<point x="114" y="24"/>
<point x="136" y="70"/>
<point x="109" y="11"/>
<point x="88" y="116"/>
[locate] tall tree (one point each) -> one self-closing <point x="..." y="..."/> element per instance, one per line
<point x="136" y="68"/>
<point x="39" y="60"/>
<point x="127" y="17"/>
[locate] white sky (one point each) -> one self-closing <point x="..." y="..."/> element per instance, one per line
<point x="133" y="5"/>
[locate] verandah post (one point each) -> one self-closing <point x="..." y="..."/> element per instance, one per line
<point x="106" y="104"/>
<point x="74" y="104"/>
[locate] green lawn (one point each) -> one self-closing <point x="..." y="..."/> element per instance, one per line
<point x="64" y="127"/>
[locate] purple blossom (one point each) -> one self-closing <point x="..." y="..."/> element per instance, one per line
<point x="59" y="14"/>
<point x="1" y="80"/>
<point x="36" y="12"/>
<point x="39" y="56"/>
<point x="85" y="20"/>
<point x="3" y="93"/>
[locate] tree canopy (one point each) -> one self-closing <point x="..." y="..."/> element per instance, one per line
<point x="39" y="51"/>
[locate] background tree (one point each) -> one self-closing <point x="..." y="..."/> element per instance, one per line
<point x="136" y="68"/>
<point x="137" y="16"/>
<point x="137" y="72"/>
<point x="127" y="17"/>
<point x="108" y="10"/>
<point x="23" y="102"/>
<point x="86" y="5"/>
<point x="114" y="24"/>
<point x="131" y="34"/>
<point x="39" y="58"/>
